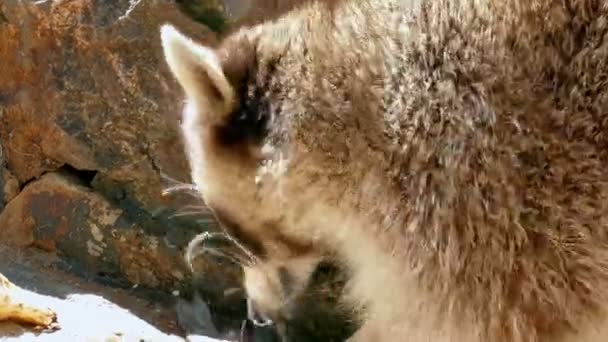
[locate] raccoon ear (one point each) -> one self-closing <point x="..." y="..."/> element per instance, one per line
<point x="198" y="70"/>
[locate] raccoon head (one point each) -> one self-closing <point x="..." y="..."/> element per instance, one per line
<point x="225" y="123"/>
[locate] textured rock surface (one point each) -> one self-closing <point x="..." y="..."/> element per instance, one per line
<point x="83" y="87"/>
<point x="86" y="311"/>
<point x="9" y="187"/>
<point x="83" y="83"/>
<point x="58" y="214"/>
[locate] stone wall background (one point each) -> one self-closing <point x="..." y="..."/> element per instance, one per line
<point x="87" y="131"/>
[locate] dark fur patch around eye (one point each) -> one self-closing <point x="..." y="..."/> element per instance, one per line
<point x="245" y="125"/>
<point x="237" y="232"/>
<point x="287" y="280"/>
<point x="248" y="122"/>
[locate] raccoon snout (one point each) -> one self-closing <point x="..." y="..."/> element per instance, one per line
<point x="258" y="318"/>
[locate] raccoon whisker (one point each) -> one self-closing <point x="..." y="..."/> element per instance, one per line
<point x="193" y="255"/>
<point x="212" y="235"/>
<point x="193" y="245"/>
<point x="193" y="250"/>
<point x="201" y="208"/>
<point x="183" y="213"/>
<point x="177" y="186"/>
<point x="191" y="210"/>
<point x="206" y="221"/>
<point x="237" y="258"/>
<point x="219" y="253"/>
<point x="224" y="234"/>
<point x="228" y="253"/>
<point x="170" y="179"/>
<point x="247" y="252"/>
<point x="186" y="188"/>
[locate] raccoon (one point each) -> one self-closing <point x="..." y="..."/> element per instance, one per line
<point x="450" y="154"/>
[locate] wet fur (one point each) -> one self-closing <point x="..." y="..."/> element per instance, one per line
<point x="452" y="154"/>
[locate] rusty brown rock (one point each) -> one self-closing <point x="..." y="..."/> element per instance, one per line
<point x="84" y="87"/>
<point x="83" y="83"/>
<point x="87" y="126"/>
<point x="15" y="226"/>
<point x="60" y="214"/>
<point x="9" y="187"/>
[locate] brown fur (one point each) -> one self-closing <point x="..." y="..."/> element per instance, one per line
<point x="452" y="154"/>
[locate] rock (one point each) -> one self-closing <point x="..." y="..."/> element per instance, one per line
<point x="195" y="317"/>
<point x="59" y="214"/>
<point x="83" y="83"/>
<point x="84" y="88"/>
<point x="85" y="311"/>
<point x="9" y="187"/>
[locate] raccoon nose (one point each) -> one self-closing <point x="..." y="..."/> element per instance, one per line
<point x="255" y="316"/>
